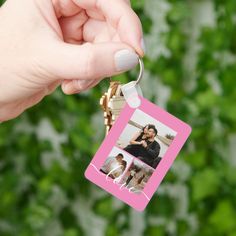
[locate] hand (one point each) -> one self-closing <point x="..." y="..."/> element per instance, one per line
<point x="72" y="43"/>
<point x="143" y="143"/>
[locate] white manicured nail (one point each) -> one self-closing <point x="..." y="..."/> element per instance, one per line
<point x="125" y="60"/>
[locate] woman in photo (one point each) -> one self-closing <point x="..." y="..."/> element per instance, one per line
<point x="135" y="143"/>
<point x="141" y="135"/>
<point x="136" y="184"/>
<point x="132" y="171"/>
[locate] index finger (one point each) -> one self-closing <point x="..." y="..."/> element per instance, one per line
<point x="122" y="17"/>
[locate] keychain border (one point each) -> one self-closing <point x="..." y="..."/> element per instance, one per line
<point x="138" y="201"/>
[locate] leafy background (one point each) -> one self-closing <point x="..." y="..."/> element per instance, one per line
<point x="190" y="71"/>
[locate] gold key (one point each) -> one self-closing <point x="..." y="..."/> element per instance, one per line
<point x="113" y="101"/>
<point x="104" y="101"/>
<point x="116" y="104"/>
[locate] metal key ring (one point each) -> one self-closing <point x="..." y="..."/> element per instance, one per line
<point x="141" y="71"/>
<point x="141" y="65"/>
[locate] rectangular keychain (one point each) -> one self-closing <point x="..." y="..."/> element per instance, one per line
<point x="140" y="147"/>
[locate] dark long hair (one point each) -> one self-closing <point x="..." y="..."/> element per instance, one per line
<point x="150" y="126"/>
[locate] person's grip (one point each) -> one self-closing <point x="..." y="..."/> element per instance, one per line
<point x="81" y="66"/>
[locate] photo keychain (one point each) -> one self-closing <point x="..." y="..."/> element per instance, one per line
<point x="141" y="144"/>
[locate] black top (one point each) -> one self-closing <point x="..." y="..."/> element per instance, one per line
<point x="134" y="149"/>
<point x="147" y="154"/>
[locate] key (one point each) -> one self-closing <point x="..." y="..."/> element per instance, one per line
<point x="104" y="101"/>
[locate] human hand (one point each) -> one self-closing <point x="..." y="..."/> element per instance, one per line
<point x="143" y="143"/>
<point x="72" y="43"/>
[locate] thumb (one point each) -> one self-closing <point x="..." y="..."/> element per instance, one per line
<point x="91" y="61"/>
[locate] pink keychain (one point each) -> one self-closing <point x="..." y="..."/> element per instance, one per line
<point x="139" y="149"/>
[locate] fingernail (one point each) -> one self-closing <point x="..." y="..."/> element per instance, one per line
<point x="125" y="60"/>
<point x="143" y="45"/>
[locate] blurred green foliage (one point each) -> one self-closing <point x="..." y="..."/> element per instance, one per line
<point x="44" y="152"/>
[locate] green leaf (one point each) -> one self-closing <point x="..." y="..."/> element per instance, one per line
<point x="205" y="183"/>
<point x="155" y="231"/>
<point x="223" y="217"/>
<point x="161" y="205"/>
<point x="103" y="207"/>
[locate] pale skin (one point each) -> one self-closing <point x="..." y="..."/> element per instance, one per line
<point x="69" y="43"/>
<point x="151" y="137"/>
